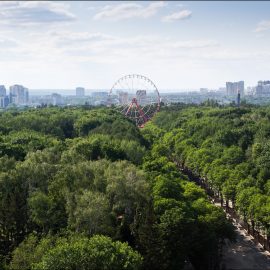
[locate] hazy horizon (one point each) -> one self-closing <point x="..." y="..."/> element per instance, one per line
<point x="67" y="92"/>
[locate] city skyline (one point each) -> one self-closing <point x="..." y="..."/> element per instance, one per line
<point x="178" y="45"/>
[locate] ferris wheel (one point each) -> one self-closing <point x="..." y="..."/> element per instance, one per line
<point x="136" y="97"/>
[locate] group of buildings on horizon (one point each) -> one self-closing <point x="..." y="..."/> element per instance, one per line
<point x="234" y="88"/>
<point x="19" y="95"/>
<point x="80" y="98"/>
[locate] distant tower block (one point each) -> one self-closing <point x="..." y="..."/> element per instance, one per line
<point x="80" y="91"/>
<point x="141" y="96"/>
<point x="123" y="97"/>
<point x="238" y="99"/>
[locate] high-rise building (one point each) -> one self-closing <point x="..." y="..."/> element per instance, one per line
<point x="26" y="95"/>
<point x="18" y="94"/>
<point x="123" y="97"/>
<point x="141" y="96"/>
<point x="80" y="91"/>
<point x="3" y="91"/>
<point x="56" y="99"/>
<point x="233" y="88"/>
<point x="4" y="101"/>
<point x="263" y="88"/>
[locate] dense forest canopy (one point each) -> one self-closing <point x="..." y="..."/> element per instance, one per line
<point x="86" y="189"/>
<point x="229" y="148"/>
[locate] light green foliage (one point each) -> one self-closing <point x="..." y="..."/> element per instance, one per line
<point x="25" y="255"/>
<point x="7" y="164"/>
<point x="192" y="192"/>
<point x="96" y="253"/>
<point x="91" y="213"/>
<point x="151" y="132"/>
<point x="30" y="251"/>
<point x="167" y="188"/>
<point x="74" y="251"/>
<point x="229" y="148"/>
<point x="161" y="165"/>
<point x="103" y="146"/>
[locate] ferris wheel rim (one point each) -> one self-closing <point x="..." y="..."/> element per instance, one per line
<point x="139" y="113"/>
<point x="138" y="76"/>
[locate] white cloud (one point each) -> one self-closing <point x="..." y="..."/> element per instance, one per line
<point x="7" y="43"/>
<point x="102" y="48"/>
<point x="16" y="13"/>
<point x="97" y="47"/>
<point x="92" y="8"/>
<point x="262" y="26"/>
<point x="191" y="44"/>
<point x="71" y="53"/>
<point x="68" y="38"/>
<point x="128" y="11"/>
<point x="177" y="16"/>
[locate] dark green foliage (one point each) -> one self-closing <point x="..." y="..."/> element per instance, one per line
<point x="187" y="228"/>
<point x="65" y="172"/>
<point x="52" y="179"/>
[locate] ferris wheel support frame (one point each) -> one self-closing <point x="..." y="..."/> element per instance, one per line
<point x="142" y="114"/>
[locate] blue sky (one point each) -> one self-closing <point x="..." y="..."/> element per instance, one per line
<point x="178" y="45"/>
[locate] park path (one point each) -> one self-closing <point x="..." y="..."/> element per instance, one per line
<point x="244" y="254"/>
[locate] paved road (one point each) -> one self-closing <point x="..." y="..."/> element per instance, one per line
<point x="244" y="254"/>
